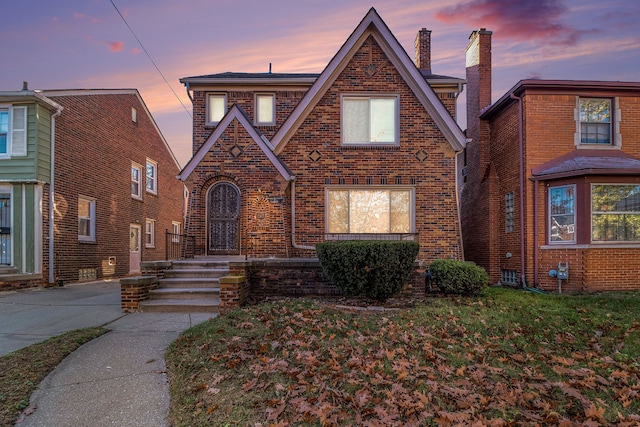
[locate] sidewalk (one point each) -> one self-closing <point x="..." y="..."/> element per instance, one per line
<point x="117" y="379"/>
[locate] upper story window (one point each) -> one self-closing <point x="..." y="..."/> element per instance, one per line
<point x="615" y="213"/>
<point x="265" y="109"/>
<point x="365" y="210"/>
<point x="150" y="233"/>
<point x="595" y="121"/>
<point x="562" y="215"/>
<point x="370" y="120"/>
<point x="86" y="219"/>
<point x="13" y="131"/>
<point x="152" y="177"/>
<point x="136" y="181"/>
<point x="216" y="107"/>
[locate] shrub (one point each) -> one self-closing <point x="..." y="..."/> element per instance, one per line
<point x="373" y="268"/>
<point x="458" y="277"/>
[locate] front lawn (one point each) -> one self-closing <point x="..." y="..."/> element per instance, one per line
<point x="507" y="357"/>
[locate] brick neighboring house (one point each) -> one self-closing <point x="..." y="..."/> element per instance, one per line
<point x="365" y="149"/>
<point x="100" y="157"/>
<point x="552" y="176"/>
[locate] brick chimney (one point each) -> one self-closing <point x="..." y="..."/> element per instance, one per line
<point x="423" y="50"/>
<point x="478" y="60"/>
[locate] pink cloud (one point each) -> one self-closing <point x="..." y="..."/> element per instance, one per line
<point x="82" y="16"/>
<point x="522" y="20"/>
<point x="115" y="46"/>
<point x="135" y="51"/>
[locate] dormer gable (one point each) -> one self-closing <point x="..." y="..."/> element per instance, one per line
<point x="372" y="26"/>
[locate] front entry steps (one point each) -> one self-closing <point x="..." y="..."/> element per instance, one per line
<point x="190" y="286"/>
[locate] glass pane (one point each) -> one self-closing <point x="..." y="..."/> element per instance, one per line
<point x="83" y="208"/>
<point x="595" y="110"/>
<point x="265" y="109"/>
<point x="84" y="227"/>
<point x="615" y="227"/>
<point x="3" y="143"/>
<point x="217" y="108"/>
<point x="355" y="120"/>
<point x="615" y="198"/>
<point x="369" y="211"/>
<point x="383" y="120"/>
<point x="338" y="211"/>
<point x="4" y="128"/>
<point x="561" y="209"/>
<point x="134" y="239"/>
<point x="400" y="211"/>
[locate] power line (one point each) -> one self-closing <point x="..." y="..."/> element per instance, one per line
<point x="150" y="59"/>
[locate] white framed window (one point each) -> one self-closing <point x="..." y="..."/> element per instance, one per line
<point x="150" y="233"/>
<point x="134" y="115"/>
<point x="265" y="109"/>
<point x="216" y="107"/>
<point x="369" y="120"/>
<point x="595" y="121"/>
<point x="615" y="213"/>
<point x="509" y="212"/>
<point x="13" y="131"/>
<point x="86" y="219"/>
<point x="562" y="214"/>
<point x="136" y="181"/>
<point x="370" y="210"/>
<point x="151" y="177"/>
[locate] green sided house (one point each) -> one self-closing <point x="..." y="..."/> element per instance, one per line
<point x="27" y="123"/>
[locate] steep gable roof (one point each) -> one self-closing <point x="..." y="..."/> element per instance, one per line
<point x="235" y="112"/>
<point x="373" y="25"/>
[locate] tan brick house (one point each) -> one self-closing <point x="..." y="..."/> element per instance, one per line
<point x="365" y="149"/>
<point x="104" y="188"/>
<point x="552" y="180"/>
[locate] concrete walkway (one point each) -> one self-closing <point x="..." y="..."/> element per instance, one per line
<point x="117" y="379"/>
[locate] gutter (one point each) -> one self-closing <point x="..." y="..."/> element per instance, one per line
<point x="521" y="179"/>
<point x="51" y="195"/>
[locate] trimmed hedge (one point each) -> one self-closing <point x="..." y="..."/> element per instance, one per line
<point x="458" y="277"/>
<point x="373" y="268"/>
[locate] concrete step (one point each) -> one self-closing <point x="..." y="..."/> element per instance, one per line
<point x="198" y="264"/>
<point x="184" y="293"/>
<point x="189" y="282"/>
<point x="196" y="272"/>
<point x="208" y="305"/>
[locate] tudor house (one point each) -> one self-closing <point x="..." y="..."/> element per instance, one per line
<point x="365" y="149"/>
<point x="552" y="180"/>
<point x="87" y="186"/>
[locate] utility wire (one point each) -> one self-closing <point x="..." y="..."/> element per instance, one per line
<point x="150" y="59"/>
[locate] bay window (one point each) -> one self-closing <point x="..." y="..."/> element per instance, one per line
<point x="615" y="213"/>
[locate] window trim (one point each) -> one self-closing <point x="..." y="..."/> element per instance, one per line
<point x="4" y="108"/>
<point x="137" y="166"/>
<point x="150" y="233"/>
<point x="370" y="96"/>
<point x="412" y="204"/>
<point x="92" y="219"/>
<point x="272" y="96"/>
<point x="210" y="95"/>
<point x="17" y="144"/>
<point x="176" y="231"/>
<point x="154" y="180"/>
<point x="615" y="141"/>
<point x="575" y="216"/>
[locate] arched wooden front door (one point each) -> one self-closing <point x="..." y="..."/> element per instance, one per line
<point x="223" y="220"/>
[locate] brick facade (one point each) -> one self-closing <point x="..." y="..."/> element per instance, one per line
<point x="423" y="161"/>
<point x="532" y="129"/>
<point x="96" y="143"/>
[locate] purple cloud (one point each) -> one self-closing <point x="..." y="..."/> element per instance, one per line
<point x="520" y="20"/>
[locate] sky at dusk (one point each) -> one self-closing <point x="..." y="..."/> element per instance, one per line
<point x="85" y="44"/>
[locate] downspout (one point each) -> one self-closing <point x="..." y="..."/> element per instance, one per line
<point x="521" y="178"/>
<point x="293" y="220"/>
<point x="458" y="204"/>
<point x="51" y="194"/>
<point x="535" y="233"/>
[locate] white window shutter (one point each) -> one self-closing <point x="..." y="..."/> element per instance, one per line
<point x="19" y="131"/>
